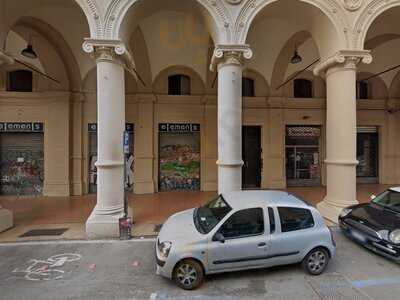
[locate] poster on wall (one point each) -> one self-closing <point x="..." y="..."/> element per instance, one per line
<point x="179" y="157"/>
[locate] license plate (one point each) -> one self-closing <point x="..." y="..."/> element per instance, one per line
<point x="358" y="236"/>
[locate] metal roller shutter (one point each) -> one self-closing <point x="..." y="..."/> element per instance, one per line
<point x="21" y="163"/>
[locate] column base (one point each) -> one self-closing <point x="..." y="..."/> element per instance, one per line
<point x="6" y="219"/>
<point x="331" y="210"/>
<point x="103" y="226"/>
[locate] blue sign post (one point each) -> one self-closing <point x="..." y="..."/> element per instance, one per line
<point x="125" y="223"/>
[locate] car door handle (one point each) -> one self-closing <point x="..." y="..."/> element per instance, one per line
<point x="262" y="244"/>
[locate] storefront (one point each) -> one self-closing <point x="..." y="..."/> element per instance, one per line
<point x="367" y="155"/>
<point x="303" y="166"/>
<point x="179" y="157"/>
<point x="21" y="158"/>
<point x="92" y="130"/>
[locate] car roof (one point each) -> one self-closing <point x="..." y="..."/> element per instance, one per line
<point x="395" y="189"/>
<point x="249" y="199"/>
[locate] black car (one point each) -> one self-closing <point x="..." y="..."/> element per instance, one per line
<point x="375" y="225"/>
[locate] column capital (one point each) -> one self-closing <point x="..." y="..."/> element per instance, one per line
<point x="232" y="54"/>
<point x="112" y="51"/>
<point x="344" y="58"/>
<point x="109" y="50"/>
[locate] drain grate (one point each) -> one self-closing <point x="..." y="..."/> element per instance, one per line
<point x="335" y="286"/>
<point x="44" y="232"/>
<point x="157" y="227"/>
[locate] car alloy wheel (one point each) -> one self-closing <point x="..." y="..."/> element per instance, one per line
<point x="316" y="261"/>
<point x="188" y="274"/>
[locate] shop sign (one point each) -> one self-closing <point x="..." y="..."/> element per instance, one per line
<point x="129" y="127"/>
<point x="303" y="131"/>
<point x="21" y="126"/>
<point x="178" y="127"/>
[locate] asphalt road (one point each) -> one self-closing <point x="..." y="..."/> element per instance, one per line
<point x="126" y="270"/>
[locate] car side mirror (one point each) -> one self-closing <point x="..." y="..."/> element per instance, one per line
<point x="219" y="237"/>
<point x="373" y="197"/>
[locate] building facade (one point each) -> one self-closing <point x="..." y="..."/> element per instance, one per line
<point x="210" y="92"/>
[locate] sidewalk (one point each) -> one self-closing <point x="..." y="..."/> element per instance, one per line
<point x="126" y="270"/>
<point x="149" y="211"/>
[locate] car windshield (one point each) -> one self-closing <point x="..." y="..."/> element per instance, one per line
<point x="388" y="199"/>
<point x="208" y="216"/>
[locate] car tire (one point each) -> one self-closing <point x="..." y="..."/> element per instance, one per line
<point x="188" y="274"/>
<point x="316" y="261"/>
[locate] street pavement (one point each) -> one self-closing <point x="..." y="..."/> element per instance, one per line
<point x="126" y="270"/>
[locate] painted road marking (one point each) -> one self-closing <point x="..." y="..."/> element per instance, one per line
<point x="375" y="282"/>
<point x="45" y="270"/>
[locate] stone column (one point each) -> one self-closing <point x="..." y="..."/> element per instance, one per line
<point x="341" y="131"/>
<point x="103" y="221"/>
<point x="230" y="66"/>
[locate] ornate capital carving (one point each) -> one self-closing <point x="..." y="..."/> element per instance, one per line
<point x="105" y="49"/>
<point x="352" y="5"/>
<point x="234" y="54"/>
<point x="344" y="58"/>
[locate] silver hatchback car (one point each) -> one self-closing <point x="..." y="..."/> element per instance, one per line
<point x="242" y="230"/>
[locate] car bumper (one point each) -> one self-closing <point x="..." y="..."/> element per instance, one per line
<point x="164" y="268"/>
<point x="376" y="245"/>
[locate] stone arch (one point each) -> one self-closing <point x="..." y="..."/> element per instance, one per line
<point x="60" y="46"/>
<point x="214" y="13"/>
<point x="377" y="87"/>
<point x="142" y="62"/>
<point x="261" y="86"/>
<point x="394" y="89"/>
<point x="160" y="84"/>
<point x="380" y="40"/>
<point x="318" y="85"/>
<point x="329" y="8"/>
<point x="282" y="62"/>
<point x="93" y="17"/>
<point x="367" y="16"/>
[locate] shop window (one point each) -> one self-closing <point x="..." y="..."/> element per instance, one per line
<point x="362" y="90"/>
<point x="247" y="87"/>
<point x="302" y="88"/>
<point x="19" y="81"/>
<point x="178" y="85"/>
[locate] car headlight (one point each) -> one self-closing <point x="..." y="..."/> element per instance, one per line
<point x="394" y="236"/>
<point x="345" y="212"/>
<point x="164" y="249"/>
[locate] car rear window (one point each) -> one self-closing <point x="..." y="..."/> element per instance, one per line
<point x="294" y="218"/>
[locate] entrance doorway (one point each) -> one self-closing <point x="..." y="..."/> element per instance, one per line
<point x="21" y="158"/>
<point x="179" y="157"/>
<point x="251" y="152"/>
<point x="367" y="155"/>
<point x="303" y="156"/>
<point x="92" y="129"/>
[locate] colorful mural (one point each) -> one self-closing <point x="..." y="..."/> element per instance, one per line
<point x="179" y="161"/>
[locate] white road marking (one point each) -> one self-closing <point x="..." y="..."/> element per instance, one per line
<point x="153" y="296"/>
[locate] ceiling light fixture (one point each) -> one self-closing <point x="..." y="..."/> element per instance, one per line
<point x="296" y="57"/>
<point x="28" y="51"/>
